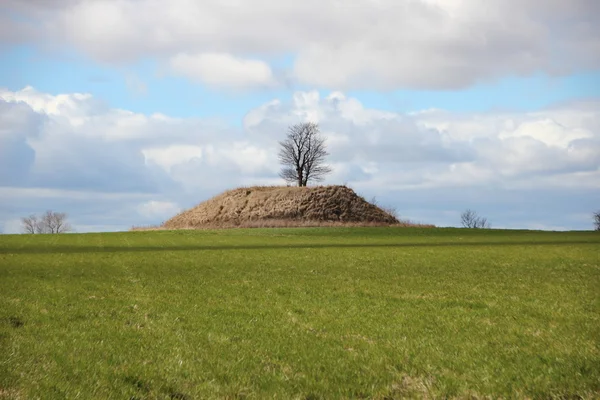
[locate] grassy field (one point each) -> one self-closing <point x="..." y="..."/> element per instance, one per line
<point x="301" y="313"/>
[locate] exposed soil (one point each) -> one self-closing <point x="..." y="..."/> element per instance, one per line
<point x="282" y="206"/>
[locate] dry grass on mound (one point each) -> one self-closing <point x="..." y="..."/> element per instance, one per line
<point x="270" y="207"/>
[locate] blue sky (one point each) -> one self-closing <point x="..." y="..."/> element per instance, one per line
<point x="123" y="113"/>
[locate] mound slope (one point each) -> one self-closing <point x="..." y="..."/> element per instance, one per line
<point x="282" y="206"/>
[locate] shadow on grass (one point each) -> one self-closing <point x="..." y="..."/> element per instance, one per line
<point x="68" y="249"/>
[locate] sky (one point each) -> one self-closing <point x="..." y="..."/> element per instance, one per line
<point x="122" y="113"/>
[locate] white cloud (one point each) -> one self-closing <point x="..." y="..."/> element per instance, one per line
<point x="223" y="70"/>
<point x="556" y="148"/>
<point x="167" y="157"/>
<point x="71" y="148"/>
<point x="158" y="209"/>
<point x="548" y="132"/>
<point x="72" y="131"/>
<point x="68" y="105"/>
<point x="383" y="44"/>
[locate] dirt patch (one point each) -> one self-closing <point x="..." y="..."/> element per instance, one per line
<point x="10" y="394"/>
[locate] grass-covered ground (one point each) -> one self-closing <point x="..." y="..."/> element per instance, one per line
<point x="300" y="313"/>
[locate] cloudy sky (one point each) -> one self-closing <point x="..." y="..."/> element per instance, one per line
<point x="123" y="112"/>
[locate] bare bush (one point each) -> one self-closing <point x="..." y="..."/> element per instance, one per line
<point x="470" y="219"/>
<point x="391" y="210"/>
<point x="597" y="220"/>
<point x="302" y="155"/>
<point x="49" y="222"/>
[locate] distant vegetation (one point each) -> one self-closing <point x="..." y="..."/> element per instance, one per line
<point x="597" y="220"/>
<point x="470" y="219"/>
<point x="310" y="313"/>
<point x="49" y="222"/>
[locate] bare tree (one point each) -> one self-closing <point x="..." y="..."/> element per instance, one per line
<point x="597" y="220"/>
<point x="302" y="155"/>
<point x="55" y="222"/>
<point x="470" y="219"/>
<point x="50" y="222"/>
<point x="31" y="224"/>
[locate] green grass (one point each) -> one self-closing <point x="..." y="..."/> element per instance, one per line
<point x="301" y="313"/>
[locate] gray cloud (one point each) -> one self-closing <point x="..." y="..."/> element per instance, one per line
<point x="389" y="44"/>
<point x="18" y="124"/>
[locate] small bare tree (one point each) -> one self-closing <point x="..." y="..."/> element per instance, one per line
<point x="597" y="220"/>
<point x="31" y="224"/>
<point x="302" y="155"/>
<point x="55" y="222"/>
<point x="470" y="219"/>
<point x="50" y="222"/>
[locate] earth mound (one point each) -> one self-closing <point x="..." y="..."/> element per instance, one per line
<point x="282" y="206"/>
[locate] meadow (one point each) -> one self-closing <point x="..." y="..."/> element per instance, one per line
<point x="305" y="313"/>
